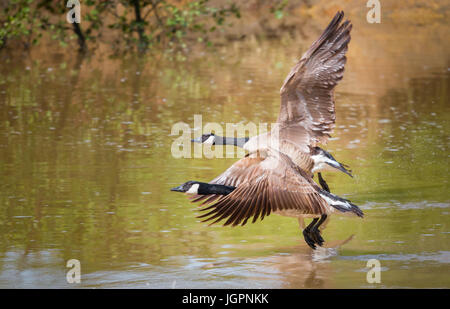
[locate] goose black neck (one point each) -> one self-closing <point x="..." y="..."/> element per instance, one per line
<point x="206" y="189"/>
<point x="233" y="141"/>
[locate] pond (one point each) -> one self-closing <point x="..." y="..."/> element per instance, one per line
<point x="86" y="169"/>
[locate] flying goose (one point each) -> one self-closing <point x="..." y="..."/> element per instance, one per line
<point x="307" y="112"/>
<point x="266" y="182"/>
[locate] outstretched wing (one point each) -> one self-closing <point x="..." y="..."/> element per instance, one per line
<point x="272" y="183"/>
<point x="307" y="95"/>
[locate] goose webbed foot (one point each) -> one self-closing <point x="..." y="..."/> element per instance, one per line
<point x="312" y="233"/>
<point x="308" y="235"/>
<point x="316" y="236"/>
<point x="308" y="239"/>
<point x="315" y="230"/>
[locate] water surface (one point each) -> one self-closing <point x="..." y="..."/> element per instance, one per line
<point x="86" y="168"/>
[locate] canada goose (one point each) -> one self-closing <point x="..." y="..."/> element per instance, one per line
<point x="307" y="112"/>
<point x="264" y="182"/>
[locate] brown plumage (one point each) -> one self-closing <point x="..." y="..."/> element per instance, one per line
<point x="307" y="113"/>
<point x="267" y="181"/>
<point x="290" y="140"/>
<point x="307" y="95"/>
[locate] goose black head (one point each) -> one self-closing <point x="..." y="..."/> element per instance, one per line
<point x="209" y="138"/>
<point x="323" y="158"/>
<point x="190" y="187"/>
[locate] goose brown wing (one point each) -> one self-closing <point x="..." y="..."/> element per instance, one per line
<point x="233" y="176"/>
<point x="307" y="95"/>
<point x="292" y="140"/>
<point x="274" y="183"/>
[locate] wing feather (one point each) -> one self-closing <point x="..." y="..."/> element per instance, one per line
<point x="307" y="95"/>
<point x="276" y="183"/>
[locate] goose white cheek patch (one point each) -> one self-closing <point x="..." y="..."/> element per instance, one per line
<point x="209" y="141"/>
<point x="193" y="189"/>
<point x="319" y="159"/>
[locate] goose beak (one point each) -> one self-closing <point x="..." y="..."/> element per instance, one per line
<point x="341" y="167"/>
<point x="178" y="189"/>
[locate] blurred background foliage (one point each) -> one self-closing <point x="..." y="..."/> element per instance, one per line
<point x="122" y="24"/>
<point x="118" y="26"/>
